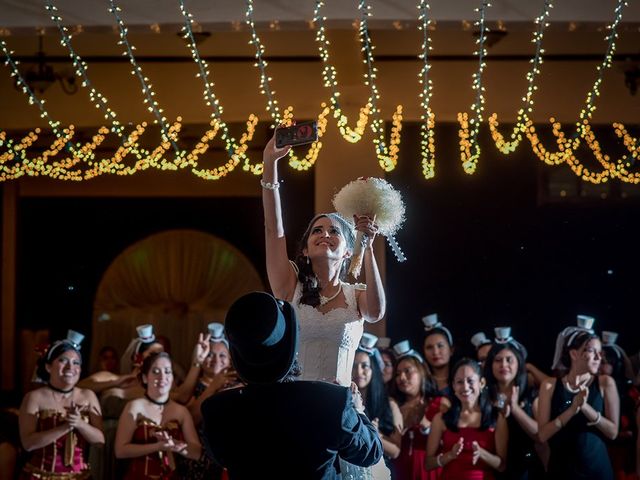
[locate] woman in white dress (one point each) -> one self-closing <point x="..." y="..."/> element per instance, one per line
<point x="330" y="311"/>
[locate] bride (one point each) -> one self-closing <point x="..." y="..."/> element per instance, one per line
<point x="330" y="312"/>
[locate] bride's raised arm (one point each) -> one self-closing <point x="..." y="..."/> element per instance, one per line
<point x="282" y="277"/>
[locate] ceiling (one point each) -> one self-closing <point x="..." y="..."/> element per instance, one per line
<point x="22" y="16"/>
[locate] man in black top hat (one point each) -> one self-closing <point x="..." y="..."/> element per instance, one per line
<point x="275" y="427"/>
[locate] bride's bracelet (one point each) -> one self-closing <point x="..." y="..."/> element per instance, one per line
<point x="269" y="185"/>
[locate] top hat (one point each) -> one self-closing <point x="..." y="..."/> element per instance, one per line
<point x="480" y="339"/>
<point x="403" y="349"/>
<point x="263" y="337"/>
<point x="145" y="333"/>
<point x="585" y="321"/>
<point x="368" y="342"/>
<point x="503" y="334"/>
<point x="609" y="338"/>
<point x="384" y="342"/>
<point x="74" y="338"/>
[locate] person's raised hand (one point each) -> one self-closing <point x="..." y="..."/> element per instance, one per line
<point x="202" y="348"/>
<point x="366" y="225"/>
<point x="271" y="153"/>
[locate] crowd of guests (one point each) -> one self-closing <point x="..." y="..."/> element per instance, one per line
<point x="493" y="416"/>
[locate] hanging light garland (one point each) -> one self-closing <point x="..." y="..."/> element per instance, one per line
<point x="235" y="150"/>
<point x="567" y="146"/>
<point x="387" y="156"/>
<point x="330" y="80"/>
<point x="469" y="148"/>
<point x="427" y="117"/>
<point x="272" y="105"/>
<point x="526" y="110"/>
<point x="83" y="164"/>
<point x="147" y="91"/>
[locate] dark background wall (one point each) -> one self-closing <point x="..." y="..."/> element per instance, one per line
<point x="499" y="248"/>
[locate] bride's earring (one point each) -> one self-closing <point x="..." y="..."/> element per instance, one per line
<point x="307" y="259"/>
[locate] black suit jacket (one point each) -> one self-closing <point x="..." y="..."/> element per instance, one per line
<point x="288" y="430"/>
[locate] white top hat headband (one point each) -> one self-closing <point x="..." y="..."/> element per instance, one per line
<point x="431" y="322"/>
<point x="609" y="340"/>
<point x="568" y="335"/>
<point x="216" y="330"/>
<point x="403" y="349"/>
<point x="73" y="338"/>
<point x="479" y="339"/>
<point x="503" y="337"/>
<point x="368" y="345"/>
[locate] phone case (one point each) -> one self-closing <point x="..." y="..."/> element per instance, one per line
<point x="298" y="134"/>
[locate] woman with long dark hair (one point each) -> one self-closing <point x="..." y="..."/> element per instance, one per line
<point x="438" y="351"/>
<point x="154" y="429"/>
<point x="382" y="410"/>
<point x="506" y="375"/>
<point x="579" y="410"/>
<point x="471" y="435"/>
<point x="418" y="404"/>
<point x="58" y="421"/>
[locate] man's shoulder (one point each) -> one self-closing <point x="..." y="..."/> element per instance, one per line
<point x="298" y="387"/>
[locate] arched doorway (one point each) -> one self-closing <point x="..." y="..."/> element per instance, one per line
<point x="179" y="281"/>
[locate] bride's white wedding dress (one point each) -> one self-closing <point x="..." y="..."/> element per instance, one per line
<point x="328" y="343"/>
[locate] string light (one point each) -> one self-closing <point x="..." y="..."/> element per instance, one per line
<point x="469" y="148"/>
<point x="24" y="86"/>
<point x="567" y="147"/>
<point x="387" y="156"/>
<point x="265" y="88"/>
<point x="427" y="142"/>
<point x="330" y="80"/>
<point x="147" y="91"/>
<point x="83" y="164"/>
<point x="236" y="151"/>
<point x="272" y="105"/>
<point x="526" y="110"/>
<point x="99" y="101"/>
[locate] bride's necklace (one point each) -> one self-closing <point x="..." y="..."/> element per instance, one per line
<point x="324" y="300"/>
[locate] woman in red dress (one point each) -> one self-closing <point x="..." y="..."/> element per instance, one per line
<point x="417" y="406"/>
<point x="154" y="429"/>
<point x="59" y="421"/>
<point x="468" y="442"/>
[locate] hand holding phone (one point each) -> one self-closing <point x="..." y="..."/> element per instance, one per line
<point x="299" y="134"/>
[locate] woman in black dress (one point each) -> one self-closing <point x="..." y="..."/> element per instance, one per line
<point x="578" y="411"/>
<point x="506" y="375"/>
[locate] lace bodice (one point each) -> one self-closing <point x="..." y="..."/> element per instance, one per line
<point x="328" y="341"/>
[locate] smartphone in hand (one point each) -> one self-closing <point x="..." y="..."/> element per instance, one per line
<point x="299" y="134"/>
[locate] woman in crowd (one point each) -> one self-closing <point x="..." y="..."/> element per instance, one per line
<point x="217" y="375"/>
<point x="216" y="370"/>
<point x="383" y="411"/>
<point x="330" y="311"/>
<point x="579" y="410"/>
<point x="471" y="436"/>
<point x="482" y="345"/>
<point x="418" y="407"/>
<point x="125" y="385"/>
<point x="506" y="377"/>
<point x="438" y="349"/>
<point x="616" y="364"/>
<point x="154" y="429"/>
<point x="58" y="421"/>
